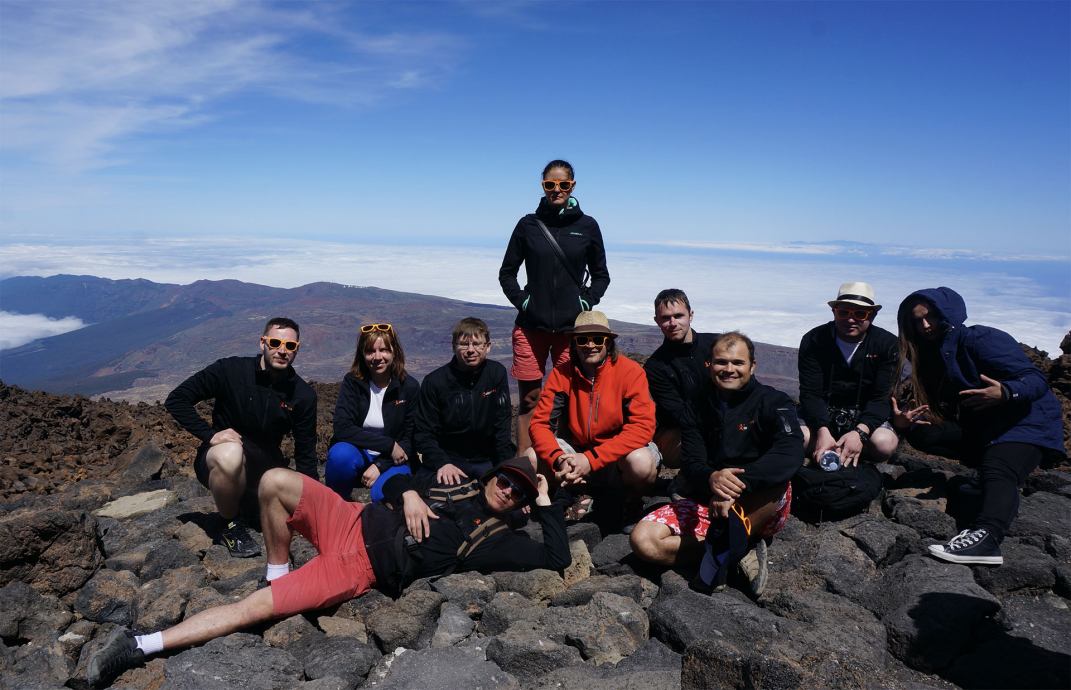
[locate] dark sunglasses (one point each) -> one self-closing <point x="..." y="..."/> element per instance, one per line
<point x="377" y="327"/>
<point x="596" y="340"/>
<point x="554" y="185"/>
<point x="276" y="343"/>
<point x="857" y="314"/>
<point x="508" y="483"/>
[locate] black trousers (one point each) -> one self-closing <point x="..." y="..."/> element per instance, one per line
<point x="1002" y="469"/>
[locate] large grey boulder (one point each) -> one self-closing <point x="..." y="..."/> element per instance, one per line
<point x="109" y="597"/>
<point x="469" y="591"/>
<point x="240" y="660"/>
<point x="409" y="622"/>
<point x="55" y="551"/>
<point x="454" y="626"/>
<point x="1026" y="568"/>
<point x="883" y="541"/>
<point x="165" y="555"/>
<point x="930" y="610"/>
<point x="162" y="602"/>
<point x="441" y="669"/>
<point x="135" y="505"/>
<point x="507" y="608"/>
<point x="539" y="585"/>
<point x="28" y="616"/>
<point x="340" y="657"/>
<point x="1041" y="514"/>
<point x="638" y="589"/>
<point x="606" y="630"/>
<point x="525" y="652"/>
<point x="913" y="513"/>
<point x="653" y="666"/>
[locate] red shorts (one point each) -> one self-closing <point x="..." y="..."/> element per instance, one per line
<point x="341" y="571"/>
<point x="687" y="514"/>
<point x="531" y="348"/>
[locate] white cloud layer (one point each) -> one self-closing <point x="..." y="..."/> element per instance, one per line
<point x="775" y="299"/>
<point x="19" y="329"/>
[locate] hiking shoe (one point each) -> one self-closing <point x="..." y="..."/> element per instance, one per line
<point x="753" y="567"/>
<point x="239" y="541"/>
<point x="119" y="653"/>
<point x="977" y="546"/>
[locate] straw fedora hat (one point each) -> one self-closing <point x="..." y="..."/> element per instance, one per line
<point x="859" y="294"/>
<point x="592" y="322"/>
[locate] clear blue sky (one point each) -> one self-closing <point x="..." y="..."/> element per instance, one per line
<point x="912" y="123"/>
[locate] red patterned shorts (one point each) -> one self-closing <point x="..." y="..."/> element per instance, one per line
<point x="686" y="514"/>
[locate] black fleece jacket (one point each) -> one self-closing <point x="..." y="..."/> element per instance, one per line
<point x="550" y="301"/>
<point x="399" y="406"/>
<point x="826" y="380"/>
<point x="757" y="429"/>
<point x="250" y="401"/>
<point x="675" y="373"/>
<point x="464" y="415"/>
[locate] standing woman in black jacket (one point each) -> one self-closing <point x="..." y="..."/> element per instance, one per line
<point x="373" y="426"/>
<point x="557" y="288"/>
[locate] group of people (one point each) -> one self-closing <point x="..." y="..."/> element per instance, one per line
<point x="448" y="484"/>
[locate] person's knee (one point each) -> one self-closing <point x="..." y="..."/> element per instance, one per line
<point x="278" y="482"/>
<point x="227" y="458"/>
<point x="640" y="466"/>
<point x="528" y="395"/>
<point x="532" y="457"/>
<point x="883" y="442"/>
<point x="646" y="540"/>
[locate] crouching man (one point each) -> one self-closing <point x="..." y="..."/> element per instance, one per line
<point x="365" y="546"/>
<point x="738" y="452"/>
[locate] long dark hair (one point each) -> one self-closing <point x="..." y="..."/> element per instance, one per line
<point x="923" y="368"/>
<point x="366" y="341"/>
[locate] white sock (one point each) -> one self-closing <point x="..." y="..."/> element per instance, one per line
<point x="277" y="570"/>
<point x="150" y="644"/>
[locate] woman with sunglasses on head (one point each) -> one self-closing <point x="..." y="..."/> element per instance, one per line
<point x="556" y="289"/>
<point x="373" y="426"/>
<point x="976" y="397"/>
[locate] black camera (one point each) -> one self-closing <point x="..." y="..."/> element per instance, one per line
<point x="842" y="420"/>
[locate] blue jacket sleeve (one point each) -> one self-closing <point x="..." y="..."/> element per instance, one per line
<point x="997" y="355"/>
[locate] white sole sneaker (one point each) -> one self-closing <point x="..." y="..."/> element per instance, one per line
<point x="938" y="551"/>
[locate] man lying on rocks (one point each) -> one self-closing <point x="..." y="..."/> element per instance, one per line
<point x="739" y="449"/>
<point x="364" y="546"/>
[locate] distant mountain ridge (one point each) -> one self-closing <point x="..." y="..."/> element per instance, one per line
<point x="145" y="337"/>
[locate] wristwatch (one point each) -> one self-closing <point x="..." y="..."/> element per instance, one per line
<point x="864" y="435"/>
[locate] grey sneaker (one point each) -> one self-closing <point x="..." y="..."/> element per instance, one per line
<point x="971" y="546"/>
<point x="119" y="653"/>
<point x="239" y="541"/>
<point x="754" y="568"/>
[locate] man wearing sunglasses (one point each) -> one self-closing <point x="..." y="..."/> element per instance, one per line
<point x="258" y="400"/>
<point x="595" y="420"/>
<point x="847" y="368"/>
<point x="359" y="547"/>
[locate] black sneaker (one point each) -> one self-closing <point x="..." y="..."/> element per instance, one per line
<point x="753" y="567"/>
<point x="976" y="546"/>
<point x="119" y="653"/>
<point x="239" y="541"/>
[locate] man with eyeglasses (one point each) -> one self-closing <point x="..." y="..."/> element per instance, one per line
<point x="258" y="400"/>
<point x="382" y="545"/>
<point x="595" y="421"/>
<point x="464" y="412"/>
<point x="676" y="370"/>
<point x="847" y="369"/>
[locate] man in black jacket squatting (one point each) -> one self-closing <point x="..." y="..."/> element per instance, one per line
<point x="258" y="400"/>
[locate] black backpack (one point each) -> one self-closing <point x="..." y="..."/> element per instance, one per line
<point x="819" y="496"/>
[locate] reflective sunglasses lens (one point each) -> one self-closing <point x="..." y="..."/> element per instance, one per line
<point x="506" y="483"/>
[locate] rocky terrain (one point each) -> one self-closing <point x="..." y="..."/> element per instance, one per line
<point x="103" y="525"/>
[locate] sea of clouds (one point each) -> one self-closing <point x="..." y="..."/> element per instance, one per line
<point x="774" y="296"/>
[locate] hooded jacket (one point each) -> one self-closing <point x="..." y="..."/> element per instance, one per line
<point x="605" y="417"/>
<point x="1030" y="413"/>
<point x="551" y="298"/>
<point x="756" y="429"/>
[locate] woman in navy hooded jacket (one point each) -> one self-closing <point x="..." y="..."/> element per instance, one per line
<point x="979" y="399"/>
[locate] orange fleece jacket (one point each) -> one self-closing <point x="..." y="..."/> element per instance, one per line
<point x="595" y="412"/>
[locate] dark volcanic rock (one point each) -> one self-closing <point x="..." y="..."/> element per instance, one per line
<point x="341" y="657"/>
<point x="524" y="651"/>
<point x="409" y="622"/>
<point x="1025" y="568"/>
<point x="54" y="550"/>
<point x="455" y="667"/>
<point x="653" y="666"/>
<point x="27" y="616"/>
<point x="470" y="591"/>
<point x="505" y="609"/>
<point x="926" y="521"/>
<point x="1041" y="514"/>
<point x="605" y="631"/>
<point x="109" y="597"/>
<point x="930" y="610"/>
<point x="632" y="586"/>
<point x="240" y="660"/>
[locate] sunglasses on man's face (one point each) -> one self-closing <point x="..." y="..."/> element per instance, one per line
<point x="857" y="314"/>
<point x="508" y="483"/>
<point x="596" y="340"/>
<point x="376" y="328"/>
<point x="555" y="185"/>
<point x="276" y="343"/>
